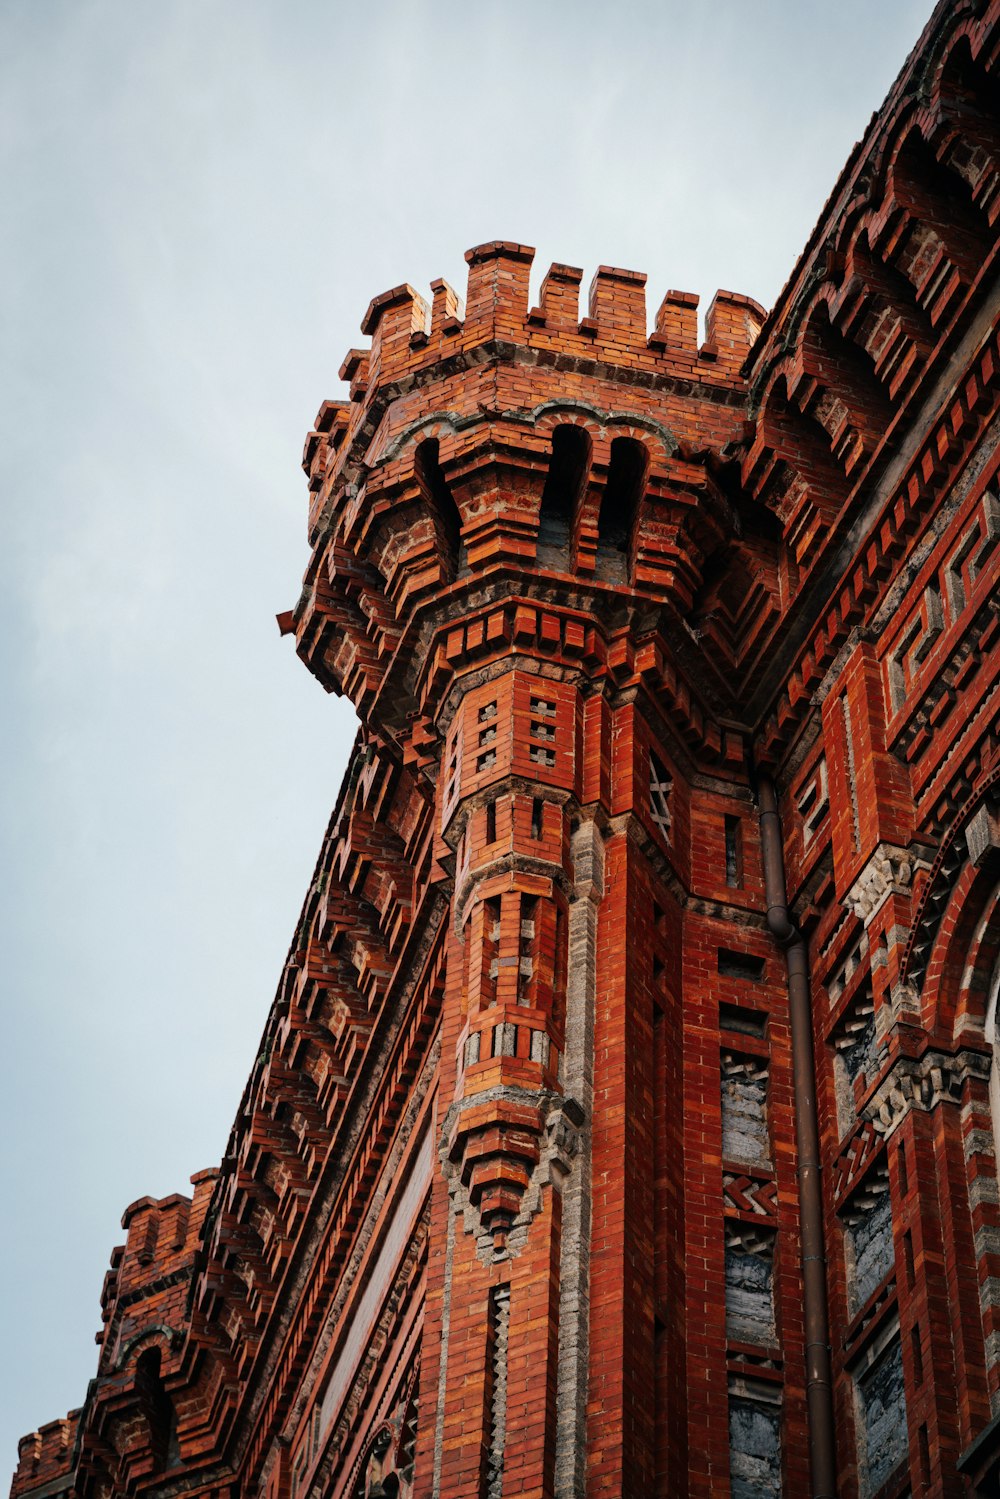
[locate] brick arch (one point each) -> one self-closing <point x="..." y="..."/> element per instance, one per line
<point x="603" y="426"/>
<point x="158" y="1336"/>
<point x="850" y="403"/>
<point x="619" y="510"/>
<point x="959" y="79"/>
<point x="414" y="530"/>
<point x="965" y="953"/>
<point x="954" y="46"/>
<point x="964" y="103"/>
<point x="790" y="438"/>
<point x="570" y="457"/>
<point x="439" y="424"/>
<point x="949" y="900"/>
<point x="938" y="200"/>
<point x="881" y="304"/>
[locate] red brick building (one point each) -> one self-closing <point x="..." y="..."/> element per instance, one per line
<point x="625" y="1122"/>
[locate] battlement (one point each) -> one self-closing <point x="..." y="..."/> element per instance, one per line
<point x="415" y="340"/>
<point x="162" y="1235"/>
<point x="44" y="1456"/>
<point x="497" y="435"/>
<point x="162" y="1231"/>
<point x="408" y="333"/>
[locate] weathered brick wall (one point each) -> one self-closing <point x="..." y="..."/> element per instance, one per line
<point x="511" y="1203"/>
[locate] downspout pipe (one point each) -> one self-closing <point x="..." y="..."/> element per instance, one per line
<point x="819" y="1381"/>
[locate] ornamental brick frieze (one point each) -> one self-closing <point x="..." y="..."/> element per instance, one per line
<point x="889" y="871"/>
<point x="858" y="334"/>
<point x="922" y="1083"/>
<point x="538" y="1140"/>
<point x="853" y="1164"/>
<point x="396" y="1455"/>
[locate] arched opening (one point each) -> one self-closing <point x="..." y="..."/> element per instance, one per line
<point x="379" y="1477"/>
<point x="802" y="447"/>
<point x="624" y="489"/>
<point x="854" y="409"/>
<point x="939" y="201"/>
<point x="158" y="1409"/>
<point x="969" y="103"/>
<point x="893" y="323"/>
<point x="441" y="503"/>
<point x="569" y="466"/>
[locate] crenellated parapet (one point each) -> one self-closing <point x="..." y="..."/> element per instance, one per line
<point x="493" y="456"/>
<point x="45" y="1456"/>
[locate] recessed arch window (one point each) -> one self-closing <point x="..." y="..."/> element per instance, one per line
<point x="441" y="503"/>
<point x="158" y="1409"/>
<point x="624" y="489"/>
<point x="569" y="466"/>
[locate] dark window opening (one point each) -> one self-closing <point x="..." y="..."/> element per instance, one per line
<point x="736" y="1018"/>
<point x="158" y="1409"/>
<point x="734" y="851"/>
<point x="925" y="1454"/>
<point x="536" y="817"/>
<point x="624" y="489"/>
<point x="569" y="466"/>
<point x="918" y="1355"/>
<point x="491" y="822"/>
<point x="447" y="520"/>
<point x="740" y="965"/>
<point x="661" y="788"/>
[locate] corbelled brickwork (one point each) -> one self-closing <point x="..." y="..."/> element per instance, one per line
<point x="626" y="1119"/>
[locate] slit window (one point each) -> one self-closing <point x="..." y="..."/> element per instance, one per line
<point x="441" y="502"/>
<point x="661" y="789"/>
<point x="624" y="489"/>
<point x="569" y="464"/>
<point x="734" y="851"/>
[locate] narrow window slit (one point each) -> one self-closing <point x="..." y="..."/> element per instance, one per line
<point x="569" y="466"/>
<point x="435" y="489"/>
<point x="661" y="788"/>
<point x="734" y="851"/>
<point x="918" y="1357"/>
<point x="623" y="490"/>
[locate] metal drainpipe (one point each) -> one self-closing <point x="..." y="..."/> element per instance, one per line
<point x="819" y="1382"/>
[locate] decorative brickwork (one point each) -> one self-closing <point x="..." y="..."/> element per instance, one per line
<point x="517" y="1201"/>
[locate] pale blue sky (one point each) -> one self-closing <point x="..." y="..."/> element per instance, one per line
<point x="200" y="198"/>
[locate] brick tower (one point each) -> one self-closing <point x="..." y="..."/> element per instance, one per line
<point x="517" y="524"/>
<point x="626" y="1120"/>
